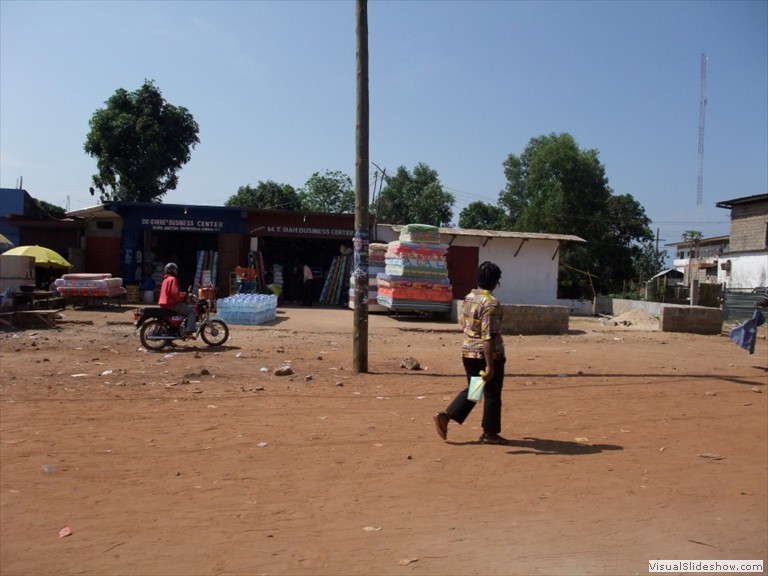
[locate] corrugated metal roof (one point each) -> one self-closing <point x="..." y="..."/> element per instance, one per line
<point x="668" y="272"/>
<point x="501" y="234"/>
<point x="742" y="200"/>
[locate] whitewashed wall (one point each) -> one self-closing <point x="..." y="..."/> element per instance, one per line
<point x="528" y="278"/>
<point x="747" y="271"/>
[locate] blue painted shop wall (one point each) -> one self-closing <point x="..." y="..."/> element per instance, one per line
<point x="11" y="202"/>
<point x="139" y="217"/>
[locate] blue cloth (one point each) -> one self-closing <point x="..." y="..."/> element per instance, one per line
<point x="745" y="335"/>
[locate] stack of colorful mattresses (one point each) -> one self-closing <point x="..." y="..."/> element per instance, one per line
<point x="415" y="277"/>
<point x="89" y="285"/>
<point x="376" y="265"/>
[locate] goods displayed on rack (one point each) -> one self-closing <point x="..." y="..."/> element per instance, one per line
<point x="376" y="266"/>
<point x="256" y="262"/>
<point x="247" y="309"/>
<point x="206" y="269"/>
<point x="335" y="286"/>
<point x="415" y="275"/>
<point x="276" y="284"/>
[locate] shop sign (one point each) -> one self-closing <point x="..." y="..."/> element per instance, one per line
<point x="186" y="225"/>
<point x="303" y="231"/>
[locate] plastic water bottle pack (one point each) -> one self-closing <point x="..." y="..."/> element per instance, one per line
<point x="247" y="309"/>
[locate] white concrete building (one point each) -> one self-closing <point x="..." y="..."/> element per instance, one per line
<point x="698" y="260"/>
<point x="744" y="264"/>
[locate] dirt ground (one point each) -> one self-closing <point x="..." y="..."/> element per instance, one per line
<point x="629" y="445"/>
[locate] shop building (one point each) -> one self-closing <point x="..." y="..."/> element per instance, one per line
<point x="529" y="261"/>
<point x="209" y="243"/>
<point x="131" y="239"/>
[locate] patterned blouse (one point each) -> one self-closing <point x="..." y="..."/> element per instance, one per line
<point x="481" y="316"/>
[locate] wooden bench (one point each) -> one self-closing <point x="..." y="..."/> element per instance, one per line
<point x="54" y="303"/>
<point x="48" y="317"/>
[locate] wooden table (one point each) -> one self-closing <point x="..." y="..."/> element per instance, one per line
<point x="48" y="317"/>
<point x="42" y="298"/>
<point x="39" y="299"/>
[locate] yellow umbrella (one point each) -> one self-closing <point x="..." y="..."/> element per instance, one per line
<point x="44" y="257"/>
<point x="5" y="244"/>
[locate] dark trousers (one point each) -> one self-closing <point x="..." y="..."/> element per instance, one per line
<point x="307" y="289"/>
<point x="460" y="408"/>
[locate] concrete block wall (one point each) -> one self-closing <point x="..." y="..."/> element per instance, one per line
<point x="693" y="319"/>
<point x="534" y="319"/>
<point x="616" y="306"/>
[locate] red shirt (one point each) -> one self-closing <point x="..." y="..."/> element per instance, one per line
<point x="169" y="292"/>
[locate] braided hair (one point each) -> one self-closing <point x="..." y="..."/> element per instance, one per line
<point x="488" y="275"/>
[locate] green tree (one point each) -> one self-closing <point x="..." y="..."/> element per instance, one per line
<point x="51" y="209"/>
<point x="481" y="216"/>
<point x="692" y="236"/>
<point x="626" y="245"/>
<point x="417" y="197"/>
<point x="556" y="187"/>
<point x="269" y="195"/>
<point x="650" y="261"/>
<point x="140" y="142"/>
<point x="328" y="192"/>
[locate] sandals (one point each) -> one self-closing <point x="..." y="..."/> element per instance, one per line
<point x="493" y="439"/>
<point x="441" y="424"/>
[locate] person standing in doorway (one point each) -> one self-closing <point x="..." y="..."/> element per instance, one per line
<point x="482" y="349"/>
<point x="307" y="286"/>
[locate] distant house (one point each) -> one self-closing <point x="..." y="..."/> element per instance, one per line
<point x="24" y="223"/>
<point x="698" y="260"/>
<point x="744" y="263"/>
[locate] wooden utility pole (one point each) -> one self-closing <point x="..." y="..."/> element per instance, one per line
<point x="361" y="238"/>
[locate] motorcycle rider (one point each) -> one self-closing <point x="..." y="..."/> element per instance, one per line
<point x="173" y="299"/>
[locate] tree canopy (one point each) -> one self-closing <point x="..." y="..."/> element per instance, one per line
<point x="482" y="216"/>
<point x="268" y="195"/>
<point x="414" y="197"/>
<point x="51" y="209"/>
<point x="328" y="192"/>
<point x="555" y="187"/>
<point x="140" y="142"/>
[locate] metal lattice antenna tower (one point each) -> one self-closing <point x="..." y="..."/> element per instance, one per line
<point x="702" y="113"/>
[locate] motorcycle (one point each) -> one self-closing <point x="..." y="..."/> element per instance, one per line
<point x="158" y="327"/>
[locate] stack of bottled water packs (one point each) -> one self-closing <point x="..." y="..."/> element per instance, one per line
<point x="247" y="309"/>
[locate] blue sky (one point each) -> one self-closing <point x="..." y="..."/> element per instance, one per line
<point x="457" y="85"/>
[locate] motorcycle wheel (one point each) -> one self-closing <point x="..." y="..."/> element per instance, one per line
<point x="214" y="332"/>
<point x="153" y="328"/>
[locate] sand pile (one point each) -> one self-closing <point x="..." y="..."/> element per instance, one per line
<point x="634" y="319"/>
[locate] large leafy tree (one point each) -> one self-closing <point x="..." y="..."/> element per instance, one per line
<point x="482" y="216"/>
<point x="556" y="187"/>
<point x="329" y="192"/>
<point x="140" y="142"/>
<point x="414" y="197"/>
<point x="267" y="194"/>
<point x="628" y="239"/>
